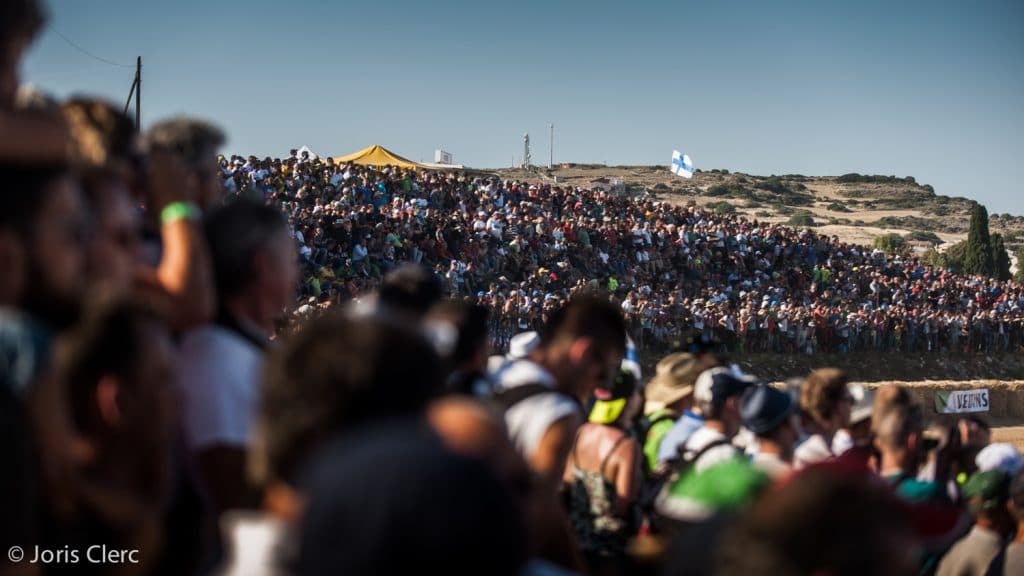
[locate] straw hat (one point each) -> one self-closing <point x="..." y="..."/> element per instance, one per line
<point x="673" y="380"/>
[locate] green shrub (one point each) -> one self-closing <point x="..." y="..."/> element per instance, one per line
<point x="939" y="210"/>
<point x="923" y="236"/>
<point x="763" y="214"/>
<point x="801" y="219"/>
<point x="890" y="243"/>
<point x="774" y="184"/>
<point x="722" y="207"/>
<point x="952" y="258"/>
<point x="838" y="207"/>
<point x="853" y="177"/>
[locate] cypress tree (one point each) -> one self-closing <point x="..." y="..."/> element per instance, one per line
<point x="1000" y="259"/>
<point x="978" y="253"/>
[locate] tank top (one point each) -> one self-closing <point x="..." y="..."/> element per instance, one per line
<point x="592" y="508"/>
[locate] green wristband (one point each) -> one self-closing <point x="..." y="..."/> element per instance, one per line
<point x="179" y="211"/>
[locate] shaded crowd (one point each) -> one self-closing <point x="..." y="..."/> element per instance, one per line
<point x="166" y="409"/>
<point x="682" y="274"/>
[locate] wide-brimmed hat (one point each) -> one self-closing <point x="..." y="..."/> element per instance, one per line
<point x="673" y="380"/>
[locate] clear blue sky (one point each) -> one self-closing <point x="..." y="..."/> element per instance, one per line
<point x="932" y="89"/>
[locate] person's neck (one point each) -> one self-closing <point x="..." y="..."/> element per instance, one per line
<point x="1002" y="529"/>
<point x="772" y="448"/>
<point x="717" y="426"/>
<point x="1019" y="539"/>
<point x="894" y="463"/>
<point x="249" y="311"/>
<point x="824" y="431"/>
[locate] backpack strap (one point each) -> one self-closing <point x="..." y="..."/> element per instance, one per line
<point x="650" y="423"/>
<point x="509" y="397"/>
<point x="575" y="441"/>
<point x="608" y="456"/>
<point x="698" y="454"/>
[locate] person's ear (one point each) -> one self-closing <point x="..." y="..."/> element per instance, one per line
<point x="912" y="441"/>
<point x="580" y="350"/>
<point x="107" y="392"/>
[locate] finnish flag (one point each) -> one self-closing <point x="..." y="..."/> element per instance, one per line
<point x="682" y="165"/>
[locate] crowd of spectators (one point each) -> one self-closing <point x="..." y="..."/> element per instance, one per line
<point x="681" y="273"/>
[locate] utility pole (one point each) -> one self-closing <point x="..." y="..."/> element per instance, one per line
<point x="551" y="147"/>
<point x="136" y="91"/>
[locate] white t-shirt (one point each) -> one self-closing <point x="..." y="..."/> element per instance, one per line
<point x="812" y="450"/>
<point x="219" y="380"/>
<point x="703" y="437"/>
<point x="528" y="420"/>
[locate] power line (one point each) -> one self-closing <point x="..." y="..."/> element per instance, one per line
<point x="87" y="53"/>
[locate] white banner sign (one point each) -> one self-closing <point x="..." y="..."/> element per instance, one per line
<point x="961" y="401"/>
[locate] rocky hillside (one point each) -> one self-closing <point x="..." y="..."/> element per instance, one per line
<point x="855" y="207"/>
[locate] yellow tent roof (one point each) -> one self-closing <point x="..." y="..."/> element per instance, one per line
<point x="377" y="156"/>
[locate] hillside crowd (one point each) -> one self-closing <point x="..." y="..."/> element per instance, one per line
<point x="682" y="274"/>
<point x="457" y="388"/>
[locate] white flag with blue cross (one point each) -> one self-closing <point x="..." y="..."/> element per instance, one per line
<point x="682" y="165"/>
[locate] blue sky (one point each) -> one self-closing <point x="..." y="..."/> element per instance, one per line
<point x="929" y="89"/>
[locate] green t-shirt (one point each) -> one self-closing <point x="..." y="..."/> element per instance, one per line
<point x="655" y="435"/>
<point x="314" y="286"/>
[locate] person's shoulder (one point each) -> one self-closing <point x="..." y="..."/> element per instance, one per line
<point x="215" y="341"/>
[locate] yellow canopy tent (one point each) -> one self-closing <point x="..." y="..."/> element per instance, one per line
<point x="377" y="156"/>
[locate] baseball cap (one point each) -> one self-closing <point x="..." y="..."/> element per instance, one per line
<point x="1000" y="456"/>
<point x="697" y="496"/>
<point x="717" y="384"/>
<point x="522" y="344"/>
<point x="987" y="490"/>
<point x="764" y="408"/>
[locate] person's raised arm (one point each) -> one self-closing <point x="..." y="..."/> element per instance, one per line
<point x="184" y="273"/>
